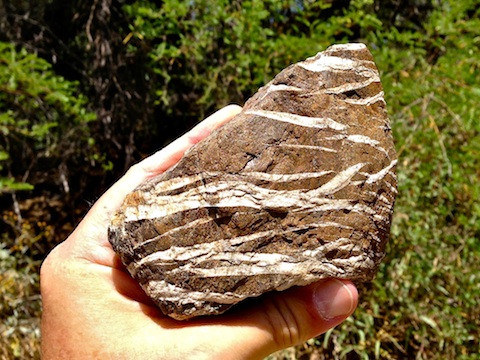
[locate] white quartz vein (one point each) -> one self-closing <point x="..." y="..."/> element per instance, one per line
<point x="367" y="101"/>
<point x="333" y="63"/>
<point x="300" y="120"/>
<point x="359" y="139"/>
<point x="280" y="87"/>
<point x="308" y="147"/>
<point x="240" y="194"/>
<point x="177" y="183"/>
<point x="253" y="264"/>
<point x="352" y="86"/>
<point x="382" y="173"/>
<point x="181" y="253"/>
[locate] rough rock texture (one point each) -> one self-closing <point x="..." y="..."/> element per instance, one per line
<point x="298" y="187"/>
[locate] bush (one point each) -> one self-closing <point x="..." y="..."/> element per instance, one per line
<point x="43" y="120"/>
<point x="43" y="132"/>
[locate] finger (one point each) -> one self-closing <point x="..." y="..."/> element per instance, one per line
<point x="170" y="155"/>
<point x="90" y="234"/>
<point x="165" y="158"/>
<point x="292" y="317"/>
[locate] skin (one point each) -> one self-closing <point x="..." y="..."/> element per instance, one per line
<point x="93" y="309"/>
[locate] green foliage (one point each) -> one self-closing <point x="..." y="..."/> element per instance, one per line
<point x="43" y="123"/>
<point x="42" y="116"/>
<point x="223" y="51"/>
<point x="20" y="306"/>
<point x="215" y="50"/>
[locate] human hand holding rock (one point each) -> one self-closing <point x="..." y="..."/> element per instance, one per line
<point x="92" y="308"/>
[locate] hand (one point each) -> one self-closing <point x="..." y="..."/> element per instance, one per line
<point x="93" y="309"/>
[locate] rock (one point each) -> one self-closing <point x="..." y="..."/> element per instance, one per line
<point x="298" y="187"/>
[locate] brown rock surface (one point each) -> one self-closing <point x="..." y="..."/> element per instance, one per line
<point x="298" y="187"/>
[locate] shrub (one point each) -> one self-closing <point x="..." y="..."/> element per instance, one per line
<point x="43" y="131"/>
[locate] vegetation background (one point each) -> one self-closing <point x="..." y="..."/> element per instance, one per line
<point x="89" y="87"/>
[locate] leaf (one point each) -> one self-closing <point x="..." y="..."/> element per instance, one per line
<point x="10" y="185"/>
<point x="429" y="321"/>
<point x="3" y="155"/>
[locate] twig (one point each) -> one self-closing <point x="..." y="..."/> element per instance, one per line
<point x="454" y="115"/>
<point x="90" y="20"/>
<point x="16" y="209"/>
<point x="442" y="145"/>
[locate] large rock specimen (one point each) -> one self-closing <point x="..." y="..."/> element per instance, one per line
<point x="298" y="187"/>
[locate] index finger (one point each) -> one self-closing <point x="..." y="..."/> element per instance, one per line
<point x="165" y="158"/>
<point x="92" y="231"/>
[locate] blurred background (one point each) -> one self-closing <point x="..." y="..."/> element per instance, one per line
<point x="87" y="88"/>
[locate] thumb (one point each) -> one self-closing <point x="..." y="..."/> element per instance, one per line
<point x="292" y="317"/>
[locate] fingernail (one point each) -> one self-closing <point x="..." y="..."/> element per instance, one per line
<point x="333" y="298"/>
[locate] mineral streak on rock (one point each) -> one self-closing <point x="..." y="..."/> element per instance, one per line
<point x="298" y="187"/>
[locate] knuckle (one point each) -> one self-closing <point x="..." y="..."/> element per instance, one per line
<point x="282" y="317"/>
<point x="49" y="267"/>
